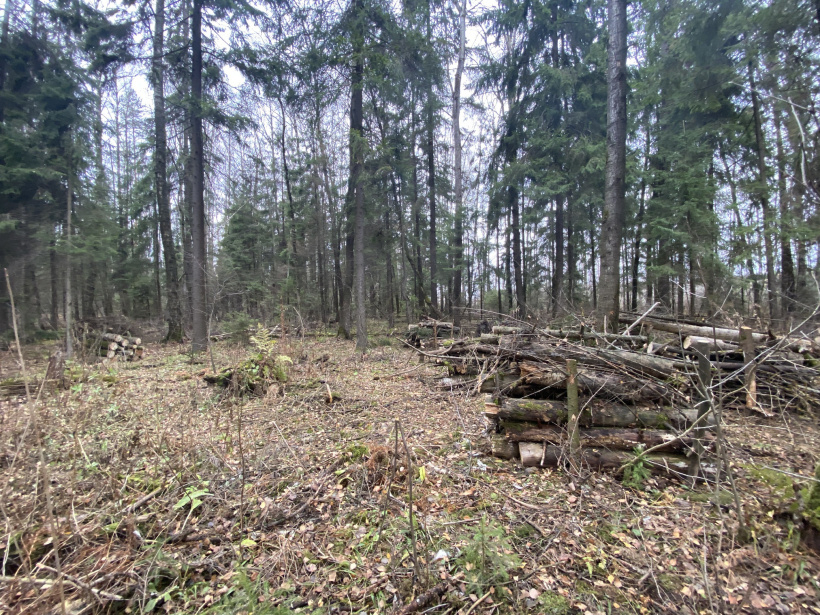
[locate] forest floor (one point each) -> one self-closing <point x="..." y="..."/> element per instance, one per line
<point x="164" y="493"/>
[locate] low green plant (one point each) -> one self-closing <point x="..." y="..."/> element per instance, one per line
<point x="488" y="558"/>
<point x="551" y="603"/>
<point x="238" y="326"/>
<point x="637" y="472"/>
<point x="244" y="597"/>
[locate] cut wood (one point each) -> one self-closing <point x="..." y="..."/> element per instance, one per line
<point x="503" y="330"/>
<point x="503" y="447"/>
<point x="538" y="454"/>
<point x="608" y="385"/>
<point x="498" y="381"/>
<point x="686" y="330"/>
<point x="750" y="367"/>
<point x="711" y="342"/>
<point x="612" y="438"/>
<point x="595" y="413"/>
<point x="571" y="334"/>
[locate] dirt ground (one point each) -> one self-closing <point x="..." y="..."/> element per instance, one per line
<point x="162" y="493"/>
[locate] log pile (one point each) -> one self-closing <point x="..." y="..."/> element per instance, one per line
<point x="635" y="392"/>
<point x="115" y="346"/>
<point x="430" y="330"/>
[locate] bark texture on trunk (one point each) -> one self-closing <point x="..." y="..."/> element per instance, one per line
<point x="762" y="178"/>
<point x="199" y="264"/>
<point x="357" y="145"/>
<point x="614" y="199"/>
<point x="458" y="223"/>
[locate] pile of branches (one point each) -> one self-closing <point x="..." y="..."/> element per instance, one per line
<point x="636" y="392"/>
<point x="529" y="362"/>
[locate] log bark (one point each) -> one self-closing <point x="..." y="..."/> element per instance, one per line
<point x="611" y="438"/>
<point x="609" y="385"/>
<point x="685" y="330"/>
<point x="571" y="334"/>
<point x="749" y="369"/>
<point x="503" y="330"/>
<point x="711" y="343"/>
<point x="595" y="414"/>
<point x="537" y="454"/>
<point x="502" y="447"/>
<point x="498" y="381"/>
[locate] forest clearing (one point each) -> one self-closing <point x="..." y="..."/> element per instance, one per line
<point x="166" y="493"/>
<point x="576" y="243"/>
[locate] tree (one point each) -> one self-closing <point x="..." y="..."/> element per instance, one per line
<point x="458" y="222"/>
<point x="356" y="184"/>
<point x="199" y="262"/>
<point x="173" y="305"/>
<point x="614" y="199"/>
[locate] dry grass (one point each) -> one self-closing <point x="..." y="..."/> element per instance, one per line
<point x="171" y="495"/>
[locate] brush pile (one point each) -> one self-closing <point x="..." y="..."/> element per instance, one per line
<point x="636" y="392"/>
<point x="115" y="346"/>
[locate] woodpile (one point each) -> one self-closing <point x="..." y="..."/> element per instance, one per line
<point x="616" y="395"/>
<point x="429" y="329"/>
<point x="115" y="346"/>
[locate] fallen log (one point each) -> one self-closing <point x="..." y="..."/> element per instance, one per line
<point x="610" y="385"/>
<point x="647" y="364"/>
<point x="571" y="334"/>
<point x="539" y="454"/>
<point x="595" y="414"/>
<point x="712" y="343"/>
<point x="611" y="438"/>
<point x="502" y="447"/>
<point x="687" y="330"/>
<point x="498" y="381"/>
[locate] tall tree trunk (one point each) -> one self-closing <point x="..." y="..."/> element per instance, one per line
<point x="508" y="269"/>
<point x="54" y="274"/>
<point x="388" y="265"/>
<point x="787" y="281"/>
<point x="431" y="171"/>
<point x="172" y="301"/>
<point x="570" y="260"/>
<point x="69" y="301"/>
<point x="357" y="144"/>
<point x="458" y="223"/>
<point x="186" y="180"/>
<point x="156" y="253"/>
<point x="614" y="198"/>
<point x="4" y="40"/>
<point x="636" y="255"/>
<point x="558" y="270"/>
<point x="763" y="192"/>
<point x="199" y="262"/>
<point x="592" y="258"/>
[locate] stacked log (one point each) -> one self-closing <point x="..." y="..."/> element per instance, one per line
<point x="634" y="393"/>
<point x="114" y="346"/>
<point x="430" y="329"/>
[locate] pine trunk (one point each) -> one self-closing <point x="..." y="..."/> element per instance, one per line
<point x="614" y="198"/>
<point x="199" y="263"/>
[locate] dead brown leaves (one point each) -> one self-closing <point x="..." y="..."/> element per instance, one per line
<point x="171" y="496"/>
